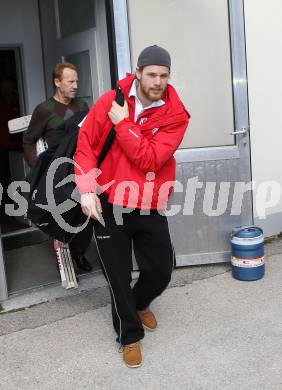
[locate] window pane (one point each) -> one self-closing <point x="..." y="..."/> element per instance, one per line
<point x="196" y="33"/>
<point x="75" y="16"/>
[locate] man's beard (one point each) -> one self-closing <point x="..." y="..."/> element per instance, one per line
<point x="148" y="94"/>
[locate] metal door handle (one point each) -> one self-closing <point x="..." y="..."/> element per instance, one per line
<point x="244" y="130"/>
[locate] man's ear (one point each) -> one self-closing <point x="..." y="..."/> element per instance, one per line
<point x="138" y="73"/>
<point x="57" y="82"/>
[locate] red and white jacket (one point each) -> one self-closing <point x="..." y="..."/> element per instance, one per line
<point x="139" y="168"/>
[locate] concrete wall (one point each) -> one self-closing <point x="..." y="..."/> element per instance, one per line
<point x="19" y="26"/>
<point x="264" y="61"/>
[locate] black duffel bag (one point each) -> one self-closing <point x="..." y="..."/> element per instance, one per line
<point x="53" y="199"/>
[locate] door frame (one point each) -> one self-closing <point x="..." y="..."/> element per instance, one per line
<point x="241" y="148"/>
<point x="122" y="37"/>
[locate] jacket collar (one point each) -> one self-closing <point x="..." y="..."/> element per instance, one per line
<point x="173" y="105"/>
<point x="133" y="92"/>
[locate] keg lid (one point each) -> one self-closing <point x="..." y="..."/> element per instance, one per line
<point x="246" y="231"/>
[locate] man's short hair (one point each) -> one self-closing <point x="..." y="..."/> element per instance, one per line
<point x="59" y="68"/>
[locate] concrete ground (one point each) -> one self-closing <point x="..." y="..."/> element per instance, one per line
<point x="214" y="332"/>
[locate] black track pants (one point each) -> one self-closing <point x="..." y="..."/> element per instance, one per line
<point x="149" y="236"/>
<point x="81" y="240"/>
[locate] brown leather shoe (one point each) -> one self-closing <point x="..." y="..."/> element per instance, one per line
<point x="132" y="355"/>
<point x="148" y="319"/>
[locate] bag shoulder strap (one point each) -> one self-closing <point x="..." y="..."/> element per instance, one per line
<point x="112" y="133"/>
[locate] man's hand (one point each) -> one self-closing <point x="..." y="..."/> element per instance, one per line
<point x="91" y="205"/>
<point x="118" y="113"/>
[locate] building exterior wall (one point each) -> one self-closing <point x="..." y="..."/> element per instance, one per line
<point x="183" y="27"/>
<point x="264" y="63"/>
<point x="19" y="26"/>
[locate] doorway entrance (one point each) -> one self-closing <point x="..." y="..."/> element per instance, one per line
<point x="18" y="237"/>
<point x="28" y="256"/>
<point x="11" y="106"/>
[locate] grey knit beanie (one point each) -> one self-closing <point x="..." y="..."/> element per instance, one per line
<point x="154" y="55"/>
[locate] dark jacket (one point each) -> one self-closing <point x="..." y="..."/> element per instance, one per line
<point x="61" y="145"/>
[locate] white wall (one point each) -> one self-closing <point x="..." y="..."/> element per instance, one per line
<point x="19" y="25"/>
<point x="263" y="22"/>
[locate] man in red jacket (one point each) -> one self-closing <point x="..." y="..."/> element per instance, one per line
<point x="136" y="178"/>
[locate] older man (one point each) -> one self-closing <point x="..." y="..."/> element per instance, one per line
<point x="141" y="169"/>
<point x="48" y="116"/>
